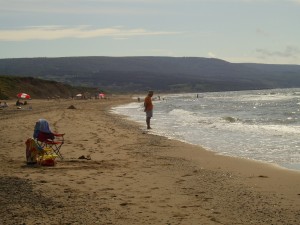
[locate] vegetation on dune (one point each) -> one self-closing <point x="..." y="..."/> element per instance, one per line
<point x="10" y="86"/>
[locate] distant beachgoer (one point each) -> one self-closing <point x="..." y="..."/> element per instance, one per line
<point x="18" y="103"/>
<point x="148" y="108"/>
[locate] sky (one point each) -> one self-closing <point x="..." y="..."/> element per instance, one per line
<point x="238" y="31"/>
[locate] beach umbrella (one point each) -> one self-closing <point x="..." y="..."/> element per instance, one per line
<point x="23" y="95"/>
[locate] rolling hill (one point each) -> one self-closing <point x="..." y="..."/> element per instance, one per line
<point x="164" y="74"/>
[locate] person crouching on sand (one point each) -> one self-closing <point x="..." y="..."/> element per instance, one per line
<point x="148" y="108"/>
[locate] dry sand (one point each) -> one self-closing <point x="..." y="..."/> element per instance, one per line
<point x="133" y="177"/>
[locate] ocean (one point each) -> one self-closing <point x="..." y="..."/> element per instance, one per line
<point x="262" y="125"/>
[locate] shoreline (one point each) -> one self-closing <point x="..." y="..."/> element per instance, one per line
<point x="218" y="149"/>
<point x="140" y="126"/>
<point x="275" y="165"/>
<point x="133" y="177"/>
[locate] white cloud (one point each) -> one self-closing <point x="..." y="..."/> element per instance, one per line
<point x="288" y="52"/>
<point x="211" y="55"/>
<point x="59" y="32"/>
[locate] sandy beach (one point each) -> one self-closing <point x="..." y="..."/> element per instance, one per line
<point x="133" y="177"/>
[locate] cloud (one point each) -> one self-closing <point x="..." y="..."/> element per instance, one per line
<point x="59" y="32"/>
<point x="288" y="52"/>
<point x="261" y="32"/>
<point x="211" y="55"/>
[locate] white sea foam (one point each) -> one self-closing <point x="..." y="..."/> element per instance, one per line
<point x="261" y="125"/>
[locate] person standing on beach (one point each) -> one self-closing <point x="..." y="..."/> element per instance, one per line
<point x="148" y="108"/>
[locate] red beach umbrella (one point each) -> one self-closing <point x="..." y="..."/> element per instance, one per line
<point x="23" y="95"/>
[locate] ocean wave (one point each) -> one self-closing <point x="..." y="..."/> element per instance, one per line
<point x="251" y="124"/>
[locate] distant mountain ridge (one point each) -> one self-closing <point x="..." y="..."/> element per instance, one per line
<point x="166" y="74"/>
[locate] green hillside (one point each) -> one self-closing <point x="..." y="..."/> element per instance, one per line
<point x="10" y="86"/>
<point x="162" y="74"/>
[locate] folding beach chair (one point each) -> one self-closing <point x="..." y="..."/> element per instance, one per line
<point x="47" y="139"/>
